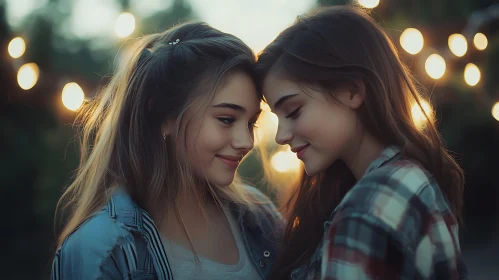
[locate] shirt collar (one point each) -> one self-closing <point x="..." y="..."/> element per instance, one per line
<point x="386" y="155"/>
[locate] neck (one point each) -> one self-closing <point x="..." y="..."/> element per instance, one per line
<point x="360" y="156"/>
<point x="193" y="206"/>
<point x="193" y="210"/>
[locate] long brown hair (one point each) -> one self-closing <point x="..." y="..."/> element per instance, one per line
<point x="335" y="46"/>
<point x="121" y="141"/>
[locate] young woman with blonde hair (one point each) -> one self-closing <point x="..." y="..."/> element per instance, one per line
<point x="156" y="195"/>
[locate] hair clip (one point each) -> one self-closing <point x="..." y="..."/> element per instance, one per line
<point x="174" y="42"/>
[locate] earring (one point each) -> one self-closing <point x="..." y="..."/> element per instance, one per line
<point x="164" y="136"/>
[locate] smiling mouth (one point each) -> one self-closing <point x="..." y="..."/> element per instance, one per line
<point x="300" y="150"/>
<point x="231" y="161"/>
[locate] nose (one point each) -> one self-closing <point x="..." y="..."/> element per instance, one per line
<point x="284" y="134"/>
<point x="243" y="141"/>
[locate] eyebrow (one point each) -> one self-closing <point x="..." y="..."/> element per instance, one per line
<point x="231" y="106"/>
<point x="283" y="99"/>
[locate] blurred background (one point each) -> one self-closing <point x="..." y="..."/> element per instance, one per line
<point x="55" y="54"/>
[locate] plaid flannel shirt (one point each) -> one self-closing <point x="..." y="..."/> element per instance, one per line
<point x="394" y="224"/>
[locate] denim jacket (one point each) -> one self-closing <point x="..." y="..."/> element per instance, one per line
<point x="122" y="242"/>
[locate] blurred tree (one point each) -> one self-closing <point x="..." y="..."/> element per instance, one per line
<point x="180" y="11"/>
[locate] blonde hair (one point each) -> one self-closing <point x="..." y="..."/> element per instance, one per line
<point x="121" y="141"/>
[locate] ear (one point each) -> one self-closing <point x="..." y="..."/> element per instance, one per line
<point x="353" y="94"/>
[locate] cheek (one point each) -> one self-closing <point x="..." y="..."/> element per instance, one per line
<point x="211" y="138"/>
<point x="305" y="128"/>
<point x="342" y="129"/>
<point x="310" y="124"/>
<point x="327" y="127"/>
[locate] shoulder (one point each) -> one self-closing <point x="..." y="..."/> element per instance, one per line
<point x="88" y="251"/>
<point x="263" y="202"/>
<point x="400" y="174"/>
<point x="100" y="231"/>
<point x="257" y="195"/>
<point x="93" y="239"/>
<point x="400" y="197"/>
<point x="400" y="182"/>
<point x="106" y="227"/>
<point x="262" y="212"/>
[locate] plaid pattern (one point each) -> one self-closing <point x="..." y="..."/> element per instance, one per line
<point x="393" y="224"/>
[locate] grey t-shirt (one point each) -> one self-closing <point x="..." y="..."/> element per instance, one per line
<point x="185" y="267"/>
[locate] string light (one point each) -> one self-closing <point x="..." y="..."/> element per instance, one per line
<point x="412" y="40"/>
<point x="72" y="96"/>
<point x="480" y="41"/>
<point x="472" y="74"/>
<point x="370" y="4"/>
<point x="495" y="111"/>
<point x="458" y="44"/>
<point x="27" y="76"/>
<point x="435" y="66"/>
<point x="125" y="25"/>
<point x="16" y="47"/>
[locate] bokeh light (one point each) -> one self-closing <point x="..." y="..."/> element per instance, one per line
<point x="16" y="47"/>
<point x="480" y="41"/>
<point x="458" y="44"/>
<point x="266" y="125"/>
<point x="274" y="118"/>
<point x="418" y="116"/>
<point x="495" y="111"/>
<point x="27" y="76"/>
<point x="125" y="25"/>
<point x="264" y="106"/>
<point x="412" y="40"/>
<point x="72" y="96"/>
<point x="472" y="74"/>
<point x="285" y="161"/>
<point x="369" y="3"/>
<point x="435" y="66"/>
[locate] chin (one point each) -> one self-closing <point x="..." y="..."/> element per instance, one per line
<point x="310" y="172"/>
<point x="313" y="169"/>
<point x="222" y="181"/>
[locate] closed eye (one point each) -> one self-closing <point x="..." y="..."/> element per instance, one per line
<point x="294" y="114"/>
<point x="226" y="120"/>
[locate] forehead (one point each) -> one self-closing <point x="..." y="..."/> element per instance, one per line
<point x="275" y="86"/>
<point x="237" y="88"/>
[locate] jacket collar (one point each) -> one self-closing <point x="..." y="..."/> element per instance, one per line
<point x="122" y="208"/>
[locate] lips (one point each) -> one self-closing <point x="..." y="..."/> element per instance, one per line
<point x="300" y="150"/>
<point x="231" y="161"/>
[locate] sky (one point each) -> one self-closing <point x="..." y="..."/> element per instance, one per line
<point x="256" y="22"/>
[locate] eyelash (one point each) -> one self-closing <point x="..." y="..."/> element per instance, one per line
<point x="229" y="121"/>
<point x="294" y="114"/>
